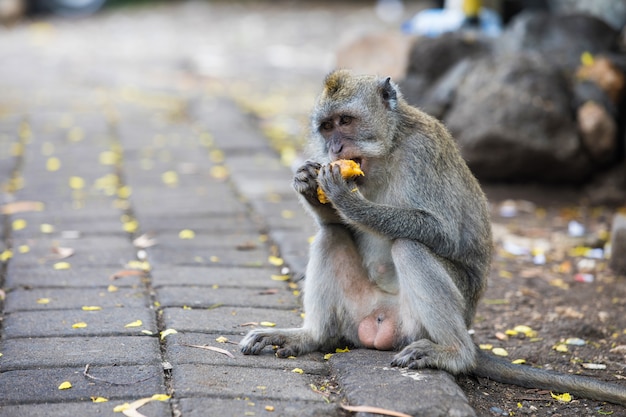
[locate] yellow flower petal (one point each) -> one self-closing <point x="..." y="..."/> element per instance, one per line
<point x="186" y="234"/>
<point x="564" y="398"/>
<point x="76" y="183"/>
<point x="221" y="339"/>
<point x="23" y="249"/>
<point x="121" y="407"/>
<point x="99" y="399"/>
<point x="275" y="260"/>
<point x="519" y="361"/>
<point x="135" y="323"/>
<point x="43" y="301"/>
<point x="79" y="325"/>
<point x="91" y="308"/>
<point x="297" y="371"/>
<point x="61" y="265"/>
<point x="328" y="356"/>
<point x="53" y="164"/>
<point x="267" y="324"/>
<point x="6" y="255"/>
<point x="280" y="277"/>
<point x="167" y="332"/>
<point x="46" y="228"/>
<point x="19" y="224"/>
<point x="338" y="350"/>
<point x="499" y="352"/>
<point x="170" y="178"/>
<point x="65" y="385"/>
<point x="160" y="397"/>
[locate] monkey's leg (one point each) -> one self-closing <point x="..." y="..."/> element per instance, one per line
<point x="431" y="311"/>
<point x="335" y="287"/>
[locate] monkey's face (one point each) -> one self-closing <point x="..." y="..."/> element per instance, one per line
<point x="354" y="118"/>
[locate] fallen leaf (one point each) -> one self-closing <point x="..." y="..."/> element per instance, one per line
<point x="170" y="178"/>
<point x="99" y="399"/>
<point x="297" y="370"/>
<point x="76" y="183"/>
<point x="269" y="408"/>
<point x="186" y="234"/>
<point x="136" y="323"/>
<point x="214" y="349"/>
<point x="61" y="266"/>
<point x="23" y="249"/>
<point x="328" y="356"/>
<point x="19" y="224"/>
<point x="485" y="346"/>
<point x="43" y="301"/>
<point x="267" y="324"/>
<point x="79" y="325"/>
<point x="91" y="308"/>
<point x="144" y="241"/>
<point x="275" y="260"/>
<point x="141" y="265"/>
<point x="564" y="398"/>
<point x="519" y="361"/>
<point x="280" y="277"/>
<point x="46" y="228"/>
<point x="127" y="273"/>
<point x="21" y="207"/>
<point x="167" y="332"/>
<point x="65" y="385"/>
<point x="373" y="410"/>
<point x="6" y="255"/>
<point x="60" y="252"/>
<point x="221" y="339"/>
<point x="499" y="352"/>
<point x="339" y="350"/>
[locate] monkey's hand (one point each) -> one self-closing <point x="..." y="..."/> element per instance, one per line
<point x="305" y="183"/>
<point x="335" y="186"/>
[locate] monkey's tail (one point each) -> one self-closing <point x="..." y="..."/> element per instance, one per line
<point x="500" y="370"/>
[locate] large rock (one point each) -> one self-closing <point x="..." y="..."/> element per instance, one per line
<point x="513" y="120"/>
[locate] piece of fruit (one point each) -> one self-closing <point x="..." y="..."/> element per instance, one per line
<point x="349" y="170"/>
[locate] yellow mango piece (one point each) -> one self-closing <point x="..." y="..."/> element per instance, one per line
<point x="349" y="169"/>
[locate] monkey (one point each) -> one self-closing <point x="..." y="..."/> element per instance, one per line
<point x="402" y="254"/>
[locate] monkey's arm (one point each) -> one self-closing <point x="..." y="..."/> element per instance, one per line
<point x="389" y="221"/>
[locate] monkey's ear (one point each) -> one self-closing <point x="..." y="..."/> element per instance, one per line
<point x="389" y="94"/>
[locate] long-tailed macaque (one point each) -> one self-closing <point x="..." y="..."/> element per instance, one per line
<point x="403" y="253"/>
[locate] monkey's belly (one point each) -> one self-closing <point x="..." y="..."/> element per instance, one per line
<point x="378" y="330"/>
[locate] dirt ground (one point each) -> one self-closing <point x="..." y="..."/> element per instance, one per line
<point x="548" y="278"/>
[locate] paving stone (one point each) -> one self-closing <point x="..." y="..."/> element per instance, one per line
<point x="55" y="352"/>
<point x="41" y="385"/>
<point x="201" y="407"/>
<point x="237" y="381"/>
<point x="209" y="275"/>
<point x="106" y="322"/>
<point x="88" y="250"/>
<point x="64" y="218"/>
<point x="178" y="352"/>
<point x="77" y="276"/>
<point x="205" y="297"/>
<point x="73" y="409"/>
<point x="227" y="320"/>
<point x="368" y="379"/>
<point x="193" y="255"/>
<point x="74" y="298"/>
<point x="213" y="224"/>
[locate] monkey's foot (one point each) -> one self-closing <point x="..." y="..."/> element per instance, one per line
<point x="426" y="354"/>
<point x="290" y="342"/>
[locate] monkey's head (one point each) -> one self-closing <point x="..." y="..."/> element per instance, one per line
<point x="355" y="118"/>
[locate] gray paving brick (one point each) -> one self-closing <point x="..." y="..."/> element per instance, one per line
<point x="201" y="223"/>
<point x="204" y="297"/>
<point x="194" y="255"/>
<point x="227" y="320"/>
<point x="237" y="381"/>
<point x="73" y="409"/>
<point x="74" y="298"/>
<point x="78" y="351"/>
<point x="226" y="407"/>
<point x="76" y="276"/>
<point x="106" y="322"/>
<point x="41" y="385"/>
<point x="88" y="250"/>
<point x="209" y="275"/>
<point x="179" y="353"/>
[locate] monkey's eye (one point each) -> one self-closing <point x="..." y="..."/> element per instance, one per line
<point x="345" y="120"/>
<point x="327" y="126"/>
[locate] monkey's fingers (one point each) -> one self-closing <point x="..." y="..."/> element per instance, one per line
<point x="256" y="340"/>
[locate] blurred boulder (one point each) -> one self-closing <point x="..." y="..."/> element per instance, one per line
<point x="512" y="119"/>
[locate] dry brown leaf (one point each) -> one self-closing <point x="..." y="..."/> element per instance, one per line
<point x="144" y="241"/>
<point x="269" y="291"/>
<point x="374" y="410"/>
<point x="127" y="273"/>
<point x="60" y="252"/>
<point x="214" y="349"/>
<point x="249" y="245"/>
<point x="21" y="207"/>
<point x="250" y="323"/>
